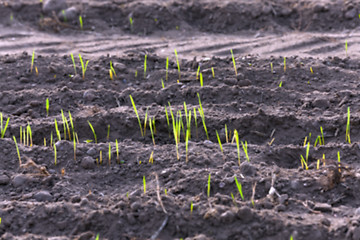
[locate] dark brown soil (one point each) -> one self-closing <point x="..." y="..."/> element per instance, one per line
<point x="94" y="195"/>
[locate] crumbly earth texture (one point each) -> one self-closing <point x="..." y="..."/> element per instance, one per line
<point x="293" y="94"/>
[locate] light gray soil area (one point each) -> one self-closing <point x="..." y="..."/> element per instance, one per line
<point x="261" y="145"/>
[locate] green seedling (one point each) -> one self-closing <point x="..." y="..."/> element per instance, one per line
<point x="165" y="191"/>
<point x="162" y="83"/>
<point x="108" y="133"/>
<point x="71" y="123"/>
<point x="57" y="130"/>
<point x="338" y="156"/>
<point x="311" y="70"/>
<point x="201" y="80"/>
<point x="145" y="121"/>
<point x="167" y="69"/>
<point x="111" y="75"/>
<point x="202" y="115"/>
<point x="81" y="23"/>
<point x="346" y="48"/>
<point x="21" y="133"/>
<point x="137" y="115"/>
<point x="219" y="140"/>
<point x="213" y="72"/>
<point x="109" y="154"/>
<point x="11" y="17"/>
<point x="55" y="154"/>
<point x="208" y="187"/>
<point x="197" y="72"/>
<point x="191" y="207"/>
<point x="280" y="84"/>
<point x="187" y="144"/>
<point x="233" y="60"/>
<point x="100" y="157"/>
<point x="176" y="131"/>
<point x="347" y="135"/>
<point x="196" y="125"/>
<point x="136" y="73"/>
<point x="2" y="127"/>
<point x="226" y="134"/>
<point x="73" y="61"/>
<point x="151" y="158"/>
<point x="112" y="70"/>
<point x="51" y="139"/>
<point x="145" y="66"/>
<point x="318" y="164"/>
<point x="64" y="123"/>
<point x="271" y="68"/>
<point x="44" y="142"/>
<point x="144" y="184"/>
<point x="83" y="67"/>
<point x="236" y="136"/>
<point x="233" y="198"/>
<point x="28" y="128"/>
<point x="239" y="187"/>
<point x="284" y="64"/>
<point x="151" y="130"/>
<point x="17" y="150"/>
<point x="32" y="61"/>
<point x="245" y="148"/>
<point x="322" y="136"/>
<point x="27" y="136"/>
<point x="64" y="15"/>
<point x="47" y="106"/>
<point x="291" y="237"/>
<point x="117" y="151"/>
<point x="97" y="236"/>
<point x="74" y="143"/>
<point x="303" y="163"/>
<point x="307" y="152"/>
<point x="177" y="62"/>
<point x="318" y="140"/>
<point x="93" y="131"/>
<point x="131" y="24"/>
<point x="167" y="119"/>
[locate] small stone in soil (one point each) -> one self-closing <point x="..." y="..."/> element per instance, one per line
<point x="43" y="196"/>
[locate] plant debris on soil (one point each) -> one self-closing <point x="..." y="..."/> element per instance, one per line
<point x="287" y="118"/>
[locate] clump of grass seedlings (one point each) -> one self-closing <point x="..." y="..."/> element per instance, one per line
<point x="137" y="115"/>
<point x="93" y="131"/>
<point x="32" y="61"/>
<point x="65" y="125"/>
<point x="144" y="184"/>
<point x="73" y="61"/>
<point x="233" y="60"/>
<point x="208" y="185"/>
<point x="55" y="155"/>
<point x="347" y="135"/>
<point x="151" y="158"/>
<point x="17" y="150"/>
<point x="245" y="148"/>
<point x="201" y="80"/>
<point x="236" y="136"/>
<point x="177" y="62"/>
<point x="83" y="66"/>
<point x="29" y="135"/>
<point x="2" y="127"/>
<point x="202" y="115"/>
<point x="239" y="187"/>
<point x="81" y="22"/>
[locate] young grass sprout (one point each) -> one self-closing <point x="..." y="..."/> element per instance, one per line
<point x="83" y="67"/>
<point x="117" y="151"/>
<point x="167" y="69"/>
<point x="245" y="148"/>
<point x="47" y="106"/>
<point x="177" y="62"/>
<point x="145" y="66"/>
<point x="32" y="61"/>
<point x="347" y="136"/>
<point x="208" y="185"/>
<point x="219" y="140"/>
<point x="233" y="60"/>
<point x="239" y="187"/>
<point x="137" y="115"/>
<point x="236" y="136"/>
<point x="55" y="154"/>
<point x="17" y="150"/>
<point x="201" y="80"/>
<point x="2" y="127"/>
<point x="73" y="61"/>
<point x="202" y="115"/>
<point x="144" y="184"/>
<point x="81" y="23"/>
<point x="93" y="131"/>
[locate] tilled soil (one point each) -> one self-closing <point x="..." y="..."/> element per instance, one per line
<point x="291" y="88"/>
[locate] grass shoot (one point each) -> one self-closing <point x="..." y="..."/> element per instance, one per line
<point x="177" y="62"/>
<point x="236" y="136"/>
<point x="245" y="148"/>
<point x="17" y="150"/>
<point x="93" y="131"/>
<point x="346" y="48"/>
<point x="347" y="135"/>
<point x="338" y="156"/>
<point x="57" y="130"/>
<point x="284" y="64"/>
<point x="117" y="151"/>
<point x="167" y="69"/>
<point x="201" y="80"/>
<point x="145" y="120"/>
<point x="151" y="158"/>
<point x="32" y="61"/>
<point x="73" y="61"/>
<point x="208" y="185"/>
<point x="191" y="207"/>
<point x="239" y="187"/>
<point x="151" y="130"/>
<point x="81" y="23"/>
<point x="311" y="70"/>
<point x="197" y="73"/>
<point x="167" y="119"/>
<point x="55" y="154"/>
<point x="233" y="60"/>
<point x="74" y="143"/>
<point x="47" y="106"/>
<point x="226" y="134"/>
<point x="219" y="140"/>
<point x="322" y="136"/>
<point x="109" y="154"/>
<point x="213" y="72"/>
<point x="137" y="115"/>
<point x="108" y="133"/>
<point x="271" y="68"/>
<point x="202" y="115"/>
<point x="196" y="126"/>
<point x="83" y="67"/>
<point x="131" y="24"/>
<point x="187" y="144"/>
<point x="2" y="127"/>
<point x="112" y="69"/>
<point x="144" y="184"/>
<point x="145" y="66"/>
